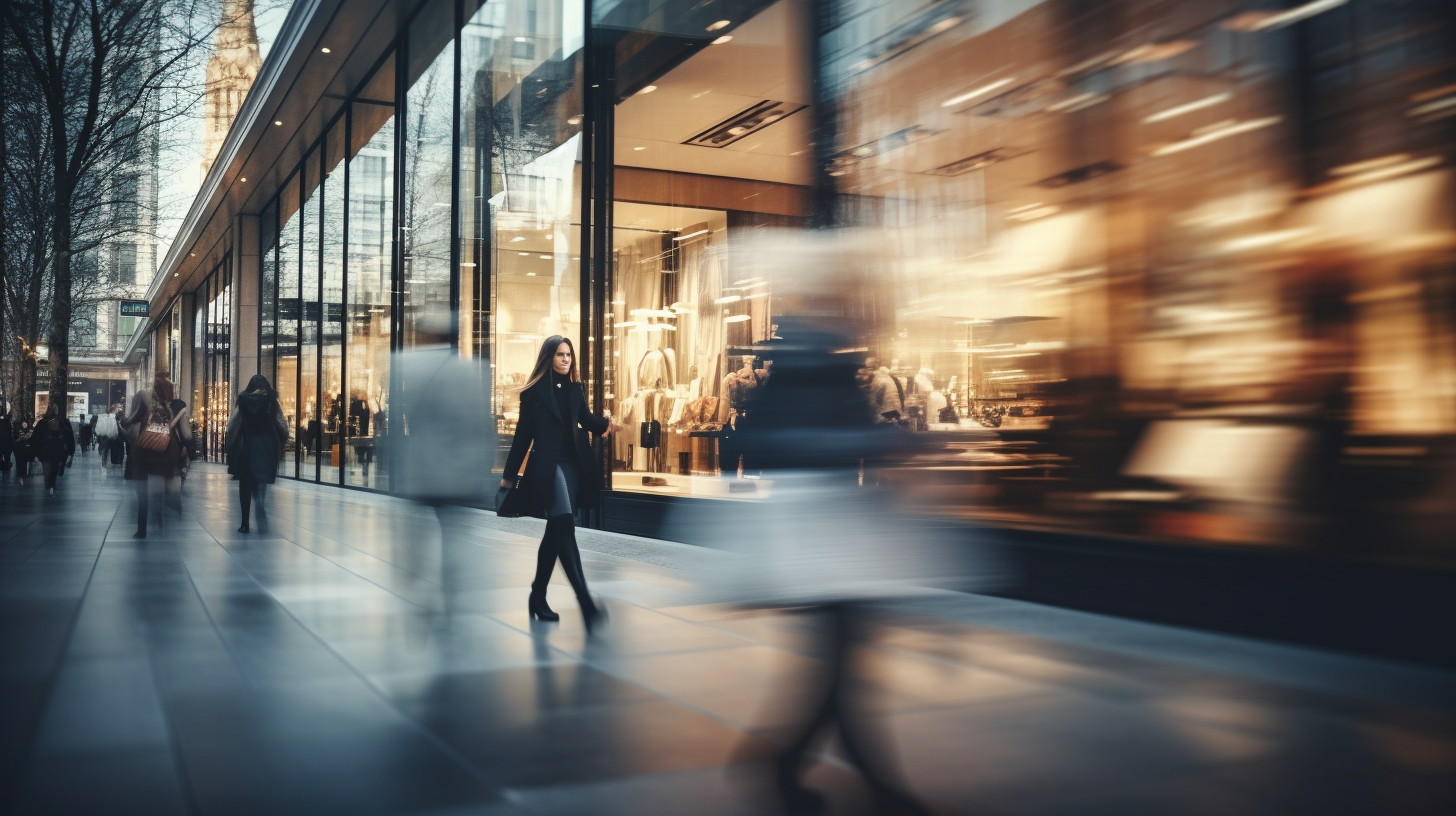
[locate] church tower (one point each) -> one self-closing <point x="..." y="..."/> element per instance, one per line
<point x="230" y="73"/>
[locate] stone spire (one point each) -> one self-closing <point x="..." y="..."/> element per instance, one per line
<point x="230" y="73"/>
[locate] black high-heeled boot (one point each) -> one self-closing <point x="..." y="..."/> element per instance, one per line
<point x="545" y="565"/>
<point x="591" y="614"/>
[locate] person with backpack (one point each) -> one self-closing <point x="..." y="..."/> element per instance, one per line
<point x="53" y="442"/>
<point x="255" y="437"/>
<point x="155" y="438"/>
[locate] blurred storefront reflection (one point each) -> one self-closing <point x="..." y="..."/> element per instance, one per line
<point x="1179" y="270"/>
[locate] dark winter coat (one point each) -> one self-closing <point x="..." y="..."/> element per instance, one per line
<point x="7" y="436"/>
<point x="544" y="431"/>
<point x="255" y="437"/>
<point x="142" y="463"/>
<point x="53" y="440"/>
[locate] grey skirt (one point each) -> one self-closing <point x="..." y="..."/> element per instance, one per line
<point x="563" y="498"/>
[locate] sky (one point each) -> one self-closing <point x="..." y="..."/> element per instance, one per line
<point x="181" y="159"/>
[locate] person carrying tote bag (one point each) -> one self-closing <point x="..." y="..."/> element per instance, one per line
<point x="562" y="476"/>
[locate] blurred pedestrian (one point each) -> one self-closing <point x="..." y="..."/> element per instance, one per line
<point x="255" y="437"/>
<point x="155" y="438"/>
<point x="23" y="453"/>
<point x="826" y="545"/>
<point x="184" y="457"/>
<point x="84" y="438"/>
<point x="434" y="463"/>
<point x="53" y="442"/>
<point x="7" y="436"/>
<point x="561" y="474"/>
<point x="108" y="434"/>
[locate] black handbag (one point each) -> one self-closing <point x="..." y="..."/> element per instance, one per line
<point x="508" y="499"/>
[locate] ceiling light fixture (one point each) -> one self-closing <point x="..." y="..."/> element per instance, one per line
<point x="575" y="120"/>
<point x="639" y="148"/>
<point x="720" y="25"/>
<point x="703" y="231"/>
<point x="523" y="254"/>
<point x="1190" y="107"/>
<point x="981" y="91"/>
<point x="723" y="39"/>
<point x="243" y="178"/>
<point x="326" y="50"/>
<point x="545" y="257"/>
<point x="647" y="89"/>
<point x="518" y="238"/>
<point x="278" y="122"/>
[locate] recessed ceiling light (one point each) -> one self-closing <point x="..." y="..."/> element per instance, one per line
<point x="523" y="254"/>
<point x="194" y="254"/>
<point x="278" y="122"/>
<point x="721" y="24"/>
<point x="520" y="39"/>
<point x="575" y="120"/>
<point x="518" y="238"/>
<point x="647" y="89"/>
<point x="639" y="148"/>
<point x="326" y="50"/>
<point x="244" y="178"/>
<point x="723" y="39"/>
<point x="545" y="257"/>
<point x="530" y="274"/>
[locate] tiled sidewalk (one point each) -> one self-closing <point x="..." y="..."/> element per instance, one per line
<point x="345" y="664"/>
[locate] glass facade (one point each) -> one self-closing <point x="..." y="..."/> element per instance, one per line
<point x="211" y="375"/>
<point x="1095" y="236"/>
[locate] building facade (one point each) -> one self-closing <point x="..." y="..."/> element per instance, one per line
<point x="1111" y="240"/>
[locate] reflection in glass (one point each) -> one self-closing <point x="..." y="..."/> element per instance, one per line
<point x="310" y="425"/>
<point x="371" y="203"/>
<point x="331" y="360"/>
<point x="289" y="309"/>
<point x="520" y="188"/>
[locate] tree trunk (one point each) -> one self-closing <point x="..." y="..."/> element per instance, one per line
<point x="60" y="333"/>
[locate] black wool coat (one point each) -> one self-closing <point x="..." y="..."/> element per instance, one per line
<point x="543" y="431"/>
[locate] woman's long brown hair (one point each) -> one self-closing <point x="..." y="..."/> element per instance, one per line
<point x="543" y="360"/>
<point x="162" y="388"/>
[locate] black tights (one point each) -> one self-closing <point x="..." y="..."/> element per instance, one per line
<point x="247" y="491"/>
<point x="560" y="542"/>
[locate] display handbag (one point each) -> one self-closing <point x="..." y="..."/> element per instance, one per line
<point x="508" y="499"/>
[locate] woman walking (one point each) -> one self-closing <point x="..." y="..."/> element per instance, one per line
<point x="52" y="442"/>
<point x="108" y="433"/>
<point x="561" y="475"/>
<point x="255" y="437"/>
<point x="155" y="438"/>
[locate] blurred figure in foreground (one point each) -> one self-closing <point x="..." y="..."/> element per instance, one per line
<point x="155" y="437"/>
<point x="435" y="464"/>
<point x="826" y="541"/>
<point x="255" y="438"/>
<point x="561" y="474"/>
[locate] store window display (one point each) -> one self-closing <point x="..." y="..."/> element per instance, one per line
<point x="708" y="152"/>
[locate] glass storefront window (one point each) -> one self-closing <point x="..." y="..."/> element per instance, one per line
<point x="310" y="424"/>
<point x="426" y="210"/>
<point x="708" y="150"/>
<point x="520" y="189"/>
<point x="268" y="293"/>
<point x="371" y="214"/>
<point x="331" y="313"/>
<point x="290" y="310"/>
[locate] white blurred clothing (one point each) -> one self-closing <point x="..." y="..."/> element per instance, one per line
<point x="448" y="445"/>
